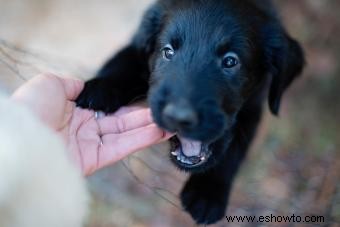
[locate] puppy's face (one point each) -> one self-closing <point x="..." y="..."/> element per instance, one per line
<point x="206" y="65"/>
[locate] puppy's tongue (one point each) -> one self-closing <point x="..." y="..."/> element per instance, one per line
<point x="190" y="148"/>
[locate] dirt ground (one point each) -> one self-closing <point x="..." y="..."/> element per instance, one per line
<point x="294" y="164"/>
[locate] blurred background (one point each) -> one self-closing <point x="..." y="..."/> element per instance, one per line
<point x="294" y="164"/>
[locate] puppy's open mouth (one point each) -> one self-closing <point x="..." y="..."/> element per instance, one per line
<point x="188" y="153"/>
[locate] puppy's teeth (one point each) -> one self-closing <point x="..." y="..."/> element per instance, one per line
<point x="188" y="162"/>
<point x="182" y="159"/>
<point x="174" y="153"/>
<point x="178" y="158"/>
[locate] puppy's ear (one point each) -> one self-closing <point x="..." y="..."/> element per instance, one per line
<point x="285" y="58"/>
<point x="149" y="29"/>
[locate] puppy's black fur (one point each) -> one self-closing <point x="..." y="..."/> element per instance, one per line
<point x="216" y="59"/>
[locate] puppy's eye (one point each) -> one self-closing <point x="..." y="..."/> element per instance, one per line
<point x="168" y="52"/>
<point x="230" y="60"/>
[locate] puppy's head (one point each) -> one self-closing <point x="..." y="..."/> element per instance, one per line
<point x="209" y="60"/>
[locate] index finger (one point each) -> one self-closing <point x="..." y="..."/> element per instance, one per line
<point x="117" y="147"/>
<point x="126" y="122"/>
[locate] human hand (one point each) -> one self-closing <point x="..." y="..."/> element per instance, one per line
<point x="94" y="142"/>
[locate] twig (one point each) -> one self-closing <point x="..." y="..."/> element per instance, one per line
<point x="150" y="187"/>
<point x="14" y="70"/>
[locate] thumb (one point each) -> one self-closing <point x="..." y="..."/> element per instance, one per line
<point x="72" y="87"/>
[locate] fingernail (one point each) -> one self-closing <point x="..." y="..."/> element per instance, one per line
<point x="168" y="134"/>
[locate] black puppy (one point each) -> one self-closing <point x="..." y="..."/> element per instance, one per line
<point x="207" y="66"/>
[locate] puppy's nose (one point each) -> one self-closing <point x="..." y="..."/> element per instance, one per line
<point x="180" y="116"/>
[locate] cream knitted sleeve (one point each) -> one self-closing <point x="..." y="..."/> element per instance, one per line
<point x="39" y="186"/>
